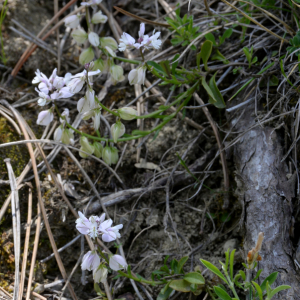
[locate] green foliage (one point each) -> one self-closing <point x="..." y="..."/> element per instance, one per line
<point x="295" y="44"/>
<point x="2" y="17"/>
<point x="249" y="56"/>
<point x="184" y="28"/>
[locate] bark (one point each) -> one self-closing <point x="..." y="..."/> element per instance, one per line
<point x="262" y="182"/>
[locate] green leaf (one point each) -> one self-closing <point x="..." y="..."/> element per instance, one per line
<point x="205" y="53"/>
<point x="283" y="72"/>
<point x="254" y="60"/>
<point x="211" y="37"/>
<point x="129" y="270"/>
<point x="180" y="285"/>
<point x="278" y="289"/>
<point x="97" y="288"/>
<point x="139" y="132"/>
<point x="257" y="274"/>
<point x="214" y="269"/>
<point x="227" y="258"/>
<point x="227" y="34"/>
<point x="157" y="67"/>
<point x="207" y="88"/>
<point x="181" y="263"/>
<point x="194" y="277"/>
<point x="273" y="81"/>
<point x="220" y="56"/>
<point x="231" y="263"/>
<point x="174" y="65"/>
<point x="221" y="293"/>
<point x="165" y="295"/>
<point x="248" y="54"/>
<point x="217" y="96"/>
<point x="258" y="289"/>
<point x="271" y="278"/>
<point x="242" y="274"/>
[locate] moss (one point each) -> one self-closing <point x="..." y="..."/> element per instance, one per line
<point x="18" y="154"/>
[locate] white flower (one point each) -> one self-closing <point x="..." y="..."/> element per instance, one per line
<point x="58" y="133"/>
<point x="80" y="36"/>
<point x="72" y="21"/>
<point x="99" y="18"/>
<point x="138" y="75"/>
<point x="117" y="262"/>
<point x="44" y="98"/>
<point x="97" y="119"/>
<point x="110" y="233"/>
<point x="144" y="41"/>
<point x="126" y="41"/>
<point x="100" y="274"/>
<point x="127" y="113"/>
<point x="94" y="39"/>
<point x="110" y="51"/>
<point x="117" y="130"/>
<point x="45" y="117"/>
<point x="90" y="261"/>
<point x="86" y="103"/>
<point x="78" y="80"/>
<point x="92" y="2"/>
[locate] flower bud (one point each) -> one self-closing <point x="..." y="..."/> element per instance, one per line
<point x="137" y="76"/>
<point x="99" y="64"/>
<point x="72" y="21"/>
<point x="86" y="56"/>
<point x="114" y="155"/>
<point x="117" y="130"/>
<point x="110" y="51"/>
<point x="90" y="261"/>
<point x="58" y="133"/>
<point x="94" y="39"/>
<point x="99" y="18"/>
<point x="109" y="42"/>
<point x="85" y="146"/>
<point x="97" y="119"/>
<point x="127" y="113"/>
<point x="80" y="36"/>
<point x="100" y="274"/>
<point x="45" y="117"/>
<point x="98" y="149"/>
<point x="117" y="262"/>
<point x="67" y="137"/>
<point x="117" y="73"/>
<point x="106" y="155"/>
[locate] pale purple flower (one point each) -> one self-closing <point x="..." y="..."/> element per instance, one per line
<point x="83" y="225"/>
<point x="40" y="77"/>
<point x="72" y="21"/>
<point x="117" y="262"/>
<point x="138" y="75"/>
<point x="126" y="42"/>
<point x="65" y="116"/>
<point x="109" y="233"/>
<point x="45" y="117"/>
<point x="90" y="261"/>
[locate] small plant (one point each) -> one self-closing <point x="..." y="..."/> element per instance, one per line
<point x="184" y="28"/>
<point x="2" y="17"/>
<point x="249" y="55"/>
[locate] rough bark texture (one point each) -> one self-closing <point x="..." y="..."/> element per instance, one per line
<point x="260" y="176"/>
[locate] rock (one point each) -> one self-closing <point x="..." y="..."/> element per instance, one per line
<point x="230" y="244"/>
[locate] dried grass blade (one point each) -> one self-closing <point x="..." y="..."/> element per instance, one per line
<point x="255" y="22"/>
<point x="139" y="18"/>
<point x="15" y="209"/>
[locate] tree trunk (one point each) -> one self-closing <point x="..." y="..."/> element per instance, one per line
<point x="262" y="182"/>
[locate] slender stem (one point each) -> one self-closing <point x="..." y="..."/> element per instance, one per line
<point x="87" y="17"/>
<point x="131" y="61"/>
<point x="107" y="109"/>
<point x="140" y="279"/>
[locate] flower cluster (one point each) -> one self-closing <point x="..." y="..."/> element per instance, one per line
<point x="144" y="42"/>
<point x="95" y="227"/>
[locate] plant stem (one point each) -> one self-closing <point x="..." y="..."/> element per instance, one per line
<point x="131" y="61"/>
